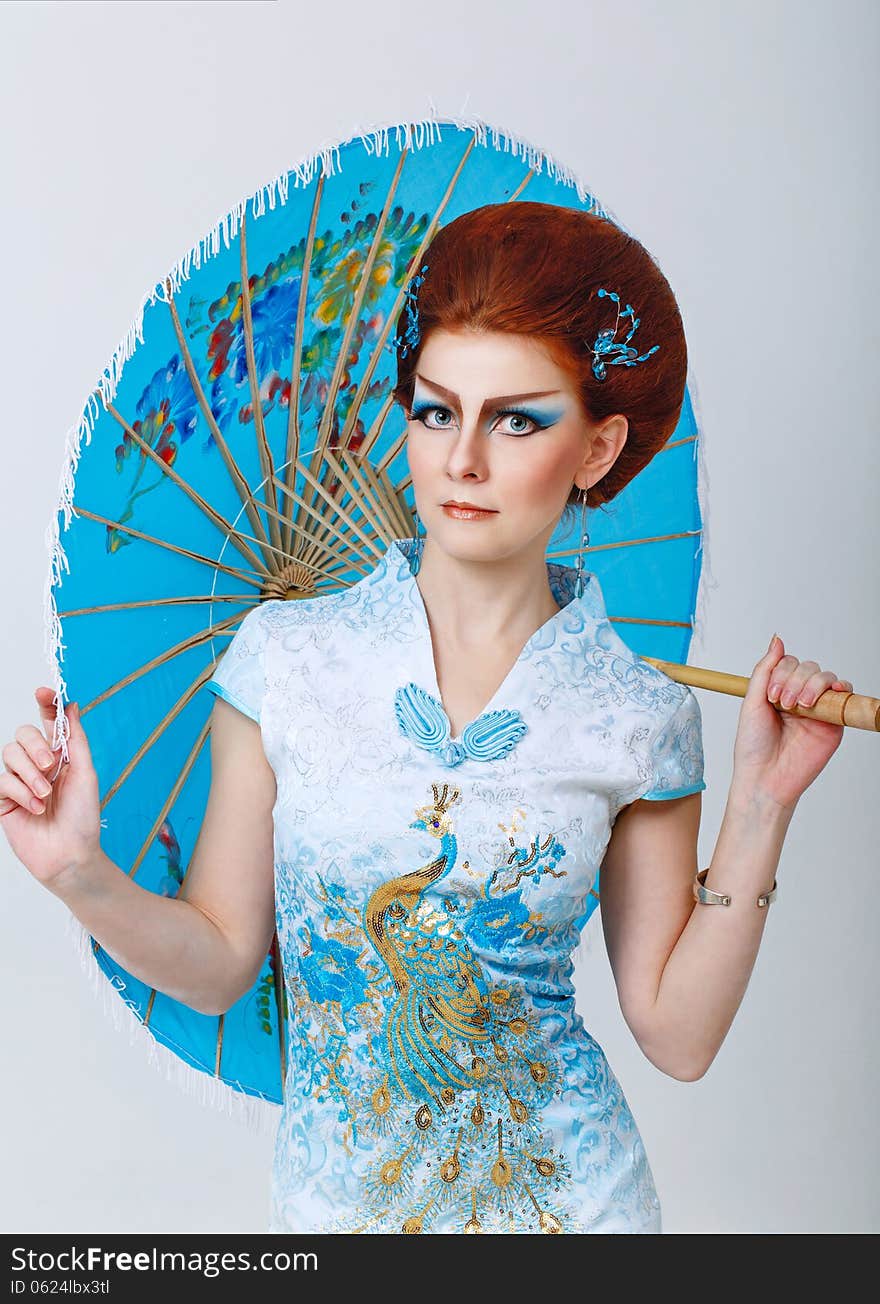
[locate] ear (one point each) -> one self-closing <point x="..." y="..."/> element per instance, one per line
<point x="606" y="443"/>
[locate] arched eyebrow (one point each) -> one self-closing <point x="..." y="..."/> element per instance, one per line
<point x="490" y="402"/>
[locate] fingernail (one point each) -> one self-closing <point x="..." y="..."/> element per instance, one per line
<point x="788" y="699"/>
<point x="773" y="692"/>
<point x="772" y="641"/>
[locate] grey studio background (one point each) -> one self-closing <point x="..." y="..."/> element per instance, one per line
<point x="738" y="141"/>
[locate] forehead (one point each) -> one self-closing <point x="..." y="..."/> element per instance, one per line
<point x="479" y="364"/>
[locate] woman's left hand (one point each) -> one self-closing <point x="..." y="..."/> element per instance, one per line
<point x="776" y="752"/>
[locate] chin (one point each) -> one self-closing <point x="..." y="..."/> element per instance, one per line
<point x="461" y="536"/>
<point x="474" y="540"/>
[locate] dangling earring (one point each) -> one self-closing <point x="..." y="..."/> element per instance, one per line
<point x="585" y="539"/>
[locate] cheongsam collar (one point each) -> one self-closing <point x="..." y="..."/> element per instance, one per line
<point x="560" y="578"/>
<point x="418" y="707"/>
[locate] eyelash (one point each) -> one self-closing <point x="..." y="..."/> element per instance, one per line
<point x="418" y="413"/>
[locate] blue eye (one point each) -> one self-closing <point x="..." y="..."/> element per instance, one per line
<point x="519" y="415"/>
<point x="418" y="414"/>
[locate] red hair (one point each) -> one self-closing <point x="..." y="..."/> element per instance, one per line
<point x="535" y="269"/>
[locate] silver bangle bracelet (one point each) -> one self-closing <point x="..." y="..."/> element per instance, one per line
<point x="707" y="897"/>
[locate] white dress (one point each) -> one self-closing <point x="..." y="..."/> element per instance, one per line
<point x="429" y="894"/>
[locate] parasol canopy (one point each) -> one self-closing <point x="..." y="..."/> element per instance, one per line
<point x="243" y="445"/>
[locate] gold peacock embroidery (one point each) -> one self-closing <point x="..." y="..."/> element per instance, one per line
<point x="461" y="1075"/>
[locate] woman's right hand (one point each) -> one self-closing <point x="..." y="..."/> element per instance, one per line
<point x="64" y="829"/>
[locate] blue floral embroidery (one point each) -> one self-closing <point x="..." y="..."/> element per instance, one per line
<point x="331" y="973"/>
<point x="423" y="720"/>
<point x="495" y="924"/>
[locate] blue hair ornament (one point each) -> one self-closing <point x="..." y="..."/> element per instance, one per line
<point x="605" y="346"/>
<point x="411" y="335"/>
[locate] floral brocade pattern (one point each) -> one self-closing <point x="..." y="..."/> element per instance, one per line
<point x="428" y="901"/>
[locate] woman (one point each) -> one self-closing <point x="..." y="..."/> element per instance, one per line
<point x="416" y="780"/>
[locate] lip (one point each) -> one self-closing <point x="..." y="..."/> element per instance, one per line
<point x="473" y="507"/>
<point x="462" y="512"/>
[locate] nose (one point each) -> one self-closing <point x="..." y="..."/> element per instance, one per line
<point x="468" y="453"/>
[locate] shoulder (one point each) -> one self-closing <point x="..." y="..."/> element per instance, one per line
<point x="676" y="749"/>
<point x="299" y="621"/>
<point x="619" y="675"/>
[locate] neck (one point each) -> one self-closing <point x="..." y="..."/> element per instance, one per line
<point x="501" y="601"/>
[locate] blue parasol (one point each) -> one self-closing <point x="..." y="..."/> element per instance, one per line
<point x="243" y="445"/>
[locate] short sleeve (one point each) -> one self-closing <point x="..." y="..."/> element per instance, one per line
<point x="677" y="753"/>
<point x="239" y="677"/>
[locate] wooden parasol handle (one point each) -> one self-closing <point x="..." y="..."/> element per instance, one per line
<point x="834" y="705"/>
